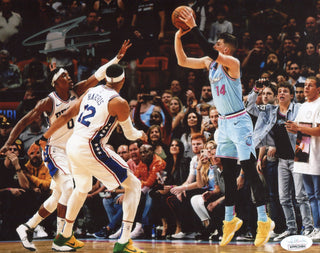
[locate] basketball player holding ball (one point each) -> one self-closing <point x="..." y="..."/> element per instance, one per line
<point x="235" y="125"/>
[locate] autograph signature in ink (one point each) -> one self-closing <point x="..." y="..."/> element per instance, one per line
<point x="64" y="28"/>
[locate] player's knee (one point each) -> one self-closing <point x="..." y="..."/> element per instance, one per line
<point x="51" y="203"/>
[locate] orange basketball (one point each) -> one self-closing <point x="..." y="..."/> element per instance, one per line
<point x="175" y="17"/>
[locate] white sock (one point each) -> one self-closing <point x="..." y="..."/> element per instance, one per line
<point x="60" y="224"/>
<point x="67" y="229"/>
<point x="35" y="220"/>
<point x="125" y="232"/>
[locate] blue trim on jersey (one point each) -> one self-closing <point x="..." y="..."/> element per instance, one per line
<point x="50" y="164"/>
<point x="101" y="154"/>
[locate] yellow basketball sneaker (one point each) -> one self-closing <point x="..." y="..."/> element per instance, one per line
<point x="71" y="242"/>
<point x="126" y="248"/>
<point x="263" y="232"/>
<point x="229" y="228"/>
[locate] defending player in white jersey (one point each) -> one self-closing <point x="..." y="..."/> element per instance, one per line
<point x="99" y="111"/>
<point x="54" y="105"/>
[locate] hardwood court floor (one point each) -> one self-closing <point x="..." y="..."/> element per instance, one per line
<point x="157" y="246"/>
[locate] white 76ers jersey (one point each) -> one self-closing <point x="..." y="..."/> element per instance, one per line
<point x="61" y="136"/>
<point x="94" y="122"/>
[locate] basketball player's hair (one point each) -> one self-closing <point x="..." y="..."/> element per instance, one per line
<point x="230" y="39"/>
<point x="113" y="71"/>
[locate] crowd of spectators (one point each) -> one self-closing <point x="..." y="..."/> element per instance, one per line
<point x="183" y="191"/>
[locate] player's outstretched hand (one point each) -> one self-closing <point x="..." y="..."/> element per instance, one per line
<point x="126" y="44"/>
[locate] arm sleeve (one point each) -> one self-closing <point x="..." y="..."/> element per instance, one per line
<point x="129" y="131"/>
<point x="100" y="74"/>
<point x="204" y="44"/>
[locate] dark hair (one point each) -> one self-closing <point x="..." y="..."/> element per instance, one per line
<point x="299" y="85"/>
<point x="114" y="70"/>
<point x="230" y="39"/>
<point x="185" y="121"/>
<point x="286" y="85"/>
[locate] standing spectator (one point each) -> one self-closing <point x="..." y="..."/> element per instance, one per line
<point x="10" y="78"/>
<point x="294" y="73"/>
<point x="220" y="26"/>
<point x="166" y="96"/>
<point x="300" y="97"/>
<point x="206" y="95"/>
<point x="311" y="32"/>
<point x="284" y="143"/>
<point x="255" y="61"/>
<point x="310" y="59"/>
<point x="108" y="11"/>
<point x="10" y="26"/>
<point x="148" y="22"/>
<point x="306" y="126"/>
<point x="272" y="66"/>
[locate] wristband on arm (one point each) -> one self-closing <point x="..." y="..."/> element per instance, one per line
<point x="204" y="44"/>
<point x="100" y="74"/>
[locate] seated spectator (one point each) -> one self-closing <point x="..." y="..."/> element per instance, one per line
<point x="10" y="78"/>
<point x="15" y="197"/>
<point x="5" y="129"/>
<point x="166" y="96"/>
<point x="156" y="118"/>
<point x="29" y="102"/>
<point x="175" y="173"/>
<point x="134" y="153"/>
<point x="155" y="139"/>
<point x="123" y="152"/>
<point x="210" y="203"/>
<point x="112" y="203"/>
<point x="212" y="127"/>
<point x="146" y="172"/>
<point x="180" y="203"/>
<point x="192" y="125"/>
<point x="39" y="179"/>
<point x="176" y="110"/>
<point x="33" y="132"/>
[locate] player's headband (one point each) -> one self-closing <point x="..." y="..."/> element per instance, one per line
<point x="115" y="79"/>
<point x="56" y="75"/>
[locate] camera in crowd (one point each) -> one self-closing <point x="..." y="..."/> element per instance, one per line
<point x="262" y="82"/>
<point x="147" y="97"/>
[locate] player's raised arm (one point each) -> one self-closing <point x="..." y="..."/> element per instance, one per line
<point x="100" y="74"/>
